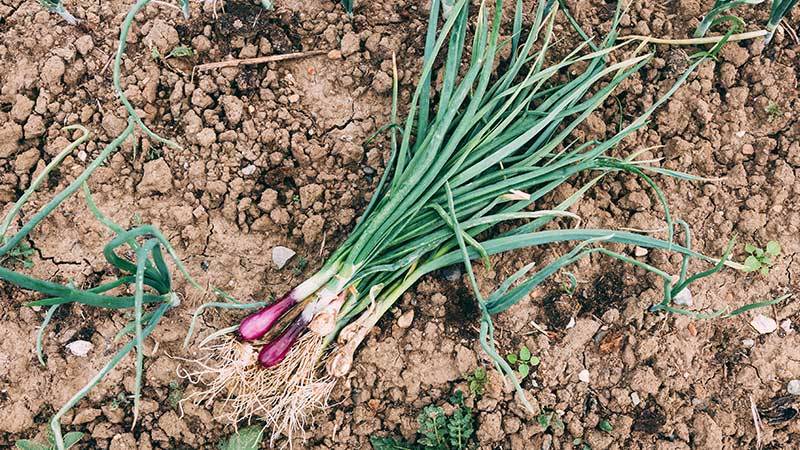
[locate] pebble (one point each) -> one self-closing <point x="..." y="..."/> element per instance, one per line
<point x="80" y="348"/>
<point x="683" y="298"/>
<point x="764" y="324"/>
<point x="249" y="170"/>
<point x="640" y="251"/>
<point x="793" y="387"/>
<point x="571" y="323"/>
<point x="749" y="343"/>
<point x="584" y="376"/>
<point x="281" y="255"/>
<point x="452" y="273"/>
<point x="405" y="320"/>
<point x="786" y="325"/>
<point x="635" y="399"/>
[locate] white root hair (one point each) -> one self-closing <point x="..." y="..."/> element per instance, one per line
<point x="286" y="396"/>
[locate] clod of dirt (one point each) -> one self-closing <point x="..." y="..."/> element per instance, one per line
<point x="649" y="419"/>
<point x="10" y="135"/>
<point x="157" y="178"/>
<point x="780" y="409"/>
<point x="350" y="44"/>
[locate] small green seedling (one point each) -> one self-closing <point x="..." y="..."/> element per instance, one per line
<point x="155" y="55"/>
<point x="302" y="263"/>
<point x="477" y="381"/>
<point x="175" y="394"/>
<point x="21" y="254"/>
<point x="245" y="439"/>
<point x="524" y="361"/>
<point x="550" y="420"/>
<point x="759" y="259"/>
<point x="181" y="51"/>
<point x="774" y="111"/>
<point x="70" y="439"/>
<point x="437" y="431"/>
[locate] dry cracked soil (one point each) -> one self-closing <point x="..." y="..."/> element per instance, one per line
<point x="275" y="154"/>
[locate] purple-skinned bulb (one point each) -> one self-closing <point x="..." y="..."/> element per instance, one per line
<point x="256" y="325"/>
<point x="274" y="352"/>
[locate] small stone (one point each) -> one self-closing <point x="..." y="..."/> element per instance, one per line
<point x="786" y="326"/>
<point x="405" y="320"/>
<point x="584" y="376"/>
<point x="80" y="348"/>
<point x="635" y="399"/>
<point x="452" y="273"/>
<point x="748" y="343"/>
<point x="350" y="44"/>
<point x="82" y="155"/>
<point x="281" y="255"/>
<point x="334" y="54"/>
<point x="249" y="170"/>
<point x="793" y="387"/>
<point x="640" y="251"/>
<point x="764" y="324"/>
<point x="571" y="323"/>
<point x="684" y="297"/>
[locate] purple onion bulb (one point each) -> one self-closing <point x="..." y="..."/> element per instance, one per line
<point x="274" y="352"/>
<point x="256" y="325"/>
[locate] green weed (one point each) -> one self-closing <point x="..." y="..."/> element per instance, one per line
<point x="761" y="259"/>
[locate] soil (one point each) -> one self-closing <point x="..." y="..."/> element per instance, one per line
<point x="273" y="155"/>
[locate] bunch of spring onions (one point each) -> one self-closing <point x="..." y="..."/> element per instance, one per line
<point x="496" y="142"/>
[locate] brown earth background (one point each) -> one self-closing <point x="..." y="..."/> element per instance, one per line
<point x="273" y="155"/>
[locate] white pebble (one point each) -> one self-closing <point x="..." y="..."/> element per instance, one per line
<point x="640" y="251"/>
<point x="281" y="255"/>
<point x="405" y="320"/>
<point x="584" y="376"/>
<point x="571" y="323"/>
<point x="80" y="348"/>
<point x="764" y="324"/>
<point x="249" y="170"/>
<point x="82" y="155"/>
<point x="786" y="325"/>
<point x="749" y="343"/>
<point x="683" y="298"/>
<point x="793" y="387"/>
<point x="635" y="399"/>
